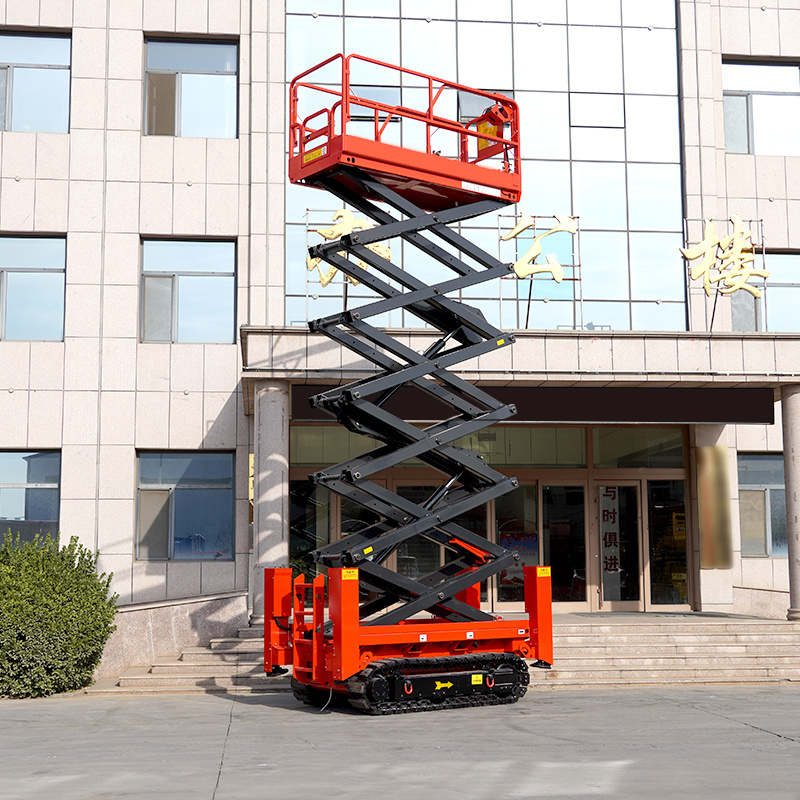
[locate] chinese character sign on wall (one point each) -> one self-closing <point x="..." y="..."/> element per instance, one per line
<point x="727" y="261"/>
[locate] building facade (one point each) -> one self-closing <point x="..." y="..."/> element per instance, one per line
<point x="154" y="293"/>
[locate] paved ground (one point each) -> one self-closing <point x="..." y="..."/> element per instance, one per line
<point x="631" y="744"/>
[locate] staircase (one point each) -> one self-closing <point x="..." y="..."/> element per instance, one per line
<point x="591" y="651"/>
<point x="226" y="665"/>
<point x="654" y="649"/>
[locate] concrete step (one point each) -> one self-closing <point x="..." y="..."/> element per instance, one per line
<point x="208" y="680"/>
<point x="669" y="674"/>
<point x="205" y="654"/>
<point x="178" y="667"/>
<point x="240" y="645"/>
<point x="709" y="661"/>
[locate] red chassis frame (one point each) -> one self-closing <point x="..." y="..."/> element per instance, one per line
<point x="487" y="163"/>
<point x="295" y="634"/>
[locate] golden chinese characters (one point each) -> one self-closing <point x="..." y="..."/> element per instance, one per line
<point x="732" y="257"/>
<point x="345" y="224"/>
<point x="526" y="266"/>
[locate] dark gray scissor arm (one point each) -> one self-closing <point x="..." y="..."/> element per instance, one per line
<point x="361" y="406"/>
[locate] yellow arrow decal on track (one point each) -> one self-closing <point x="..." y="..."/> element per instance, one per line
<point x="440" y="685"/>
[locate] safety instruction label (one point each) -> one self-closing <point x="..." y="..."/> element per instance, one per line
<point x="349" y="574"/>
<point x="542" y="572"/>
<point x="314" y="154"/>
<point x="477" y="680"/>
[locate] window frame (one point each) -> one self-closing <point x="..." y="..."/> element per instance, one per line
<point x="174" y="292"/>
<point x="37" y="485"/>
<point x="179" y="81"/>
<point x="4" y="272"/>
<point x="10" y="66"/>
<point x="748" y="95"/>
<point x="767" y="489"/>
<point x="171" y="488"/>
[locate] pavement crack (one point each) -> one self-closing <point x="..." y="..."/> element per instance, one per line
<point x="733" y="719"/>
<point x="224" y="747"/>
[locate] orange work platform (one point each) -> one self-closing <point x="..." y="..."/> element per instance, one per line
<point x="450" y="155"/>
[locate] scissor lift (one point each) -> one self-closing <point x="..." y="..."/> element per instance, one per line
<point x="369" y="641"/>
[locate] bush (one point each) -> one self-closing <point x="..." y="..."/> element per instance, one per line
<point x="55" y="616"/>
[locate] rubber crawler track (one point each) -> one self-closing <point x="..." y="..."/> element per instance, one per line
<point x="358" y="694"/>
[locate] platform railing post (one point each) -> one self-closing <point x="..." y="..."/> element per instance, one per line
<point x="343" y="603"/>
<point x="539" y="607"/>
<point x="277" y="610"/>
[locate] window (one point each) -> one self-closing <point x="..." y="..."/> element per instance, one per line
<point x="762" y="505"/>
<point x="32" y="288"/>
<point x="762" y="108"/>
<point x="776" y="309"/>
<point x="29" y="494"/>
<point x="34" y="83"/>
<point x="185" y="507"/>
<point x="191" y="89"/>
<point x="188" y="291"/>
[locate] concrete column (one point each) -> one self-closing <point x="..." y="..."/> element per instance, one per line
<point x="790" y="408"/>
<point x="270" y="487"/>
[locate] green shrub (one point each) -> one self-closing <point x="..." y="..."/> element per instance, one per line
<point x="55" y="616"/>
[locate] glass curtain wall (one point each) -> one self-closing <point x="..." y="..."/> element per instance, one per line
<point x="597" y="86"/>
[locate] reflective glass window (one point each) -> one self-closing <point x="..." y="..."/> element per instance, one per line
<point x="312" y="40"/>
<point x="656" y="273"/>
<point x="587" y="72"/>
<point x="652" y="130"/>
<point x="592" y="144"/>
<point x="436" y="9"/>
<point x="428" y="47"/>
<point x="599" y="195"/>
<point x="762" y="108"/>
<point x="32" y="288"/>
<point x="372" y="38"/>
<point x="546" y="187"/>
<point x="481" y="11"/>
<point x="775" y="124"/>
<point x="658" y="13"/>
<point x="34" y="83"/>
<point x="654" y="197"/>
<point x="646" y="56"/>
<point x="185" y="506"/>
<point x="29" y="494"/>
<point x="762" y="504"/>
<point x="188" y="291"/>
<point x="494" y="72"/>
<point x="602" y="315"/>
<point x="635" y="446"/>
<point x="593" y="12"/>
<point x="540" y="11"/>
<point x="369" y="8"/>
<point x="658" y="316"/>
<point x="597" y="110"/>
<point x="604" y="265"/>
<point x="737" y="132"/>
<point x="191" y="89"/>
<point x="544" y="117"/>
<point x="540" y="58"/>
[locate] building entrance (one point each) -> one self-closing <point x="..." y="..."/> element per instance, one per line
<point x="606" y="512"/>
<point x="639" y="558"/>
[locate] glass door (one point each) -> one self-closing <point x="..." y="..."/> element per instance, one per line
<point x="564" y="543"/>
<point x="620" y="547"/>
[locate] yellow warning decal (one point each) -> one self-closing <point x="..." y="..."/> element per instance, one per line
<point x="314" y="154"/>
<point x="542" y="572"/>
<point x="349" y="574"/>
<point x="367" y="551"/>
<point x="500" y="341"/>
<point x="477" y="680"/>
